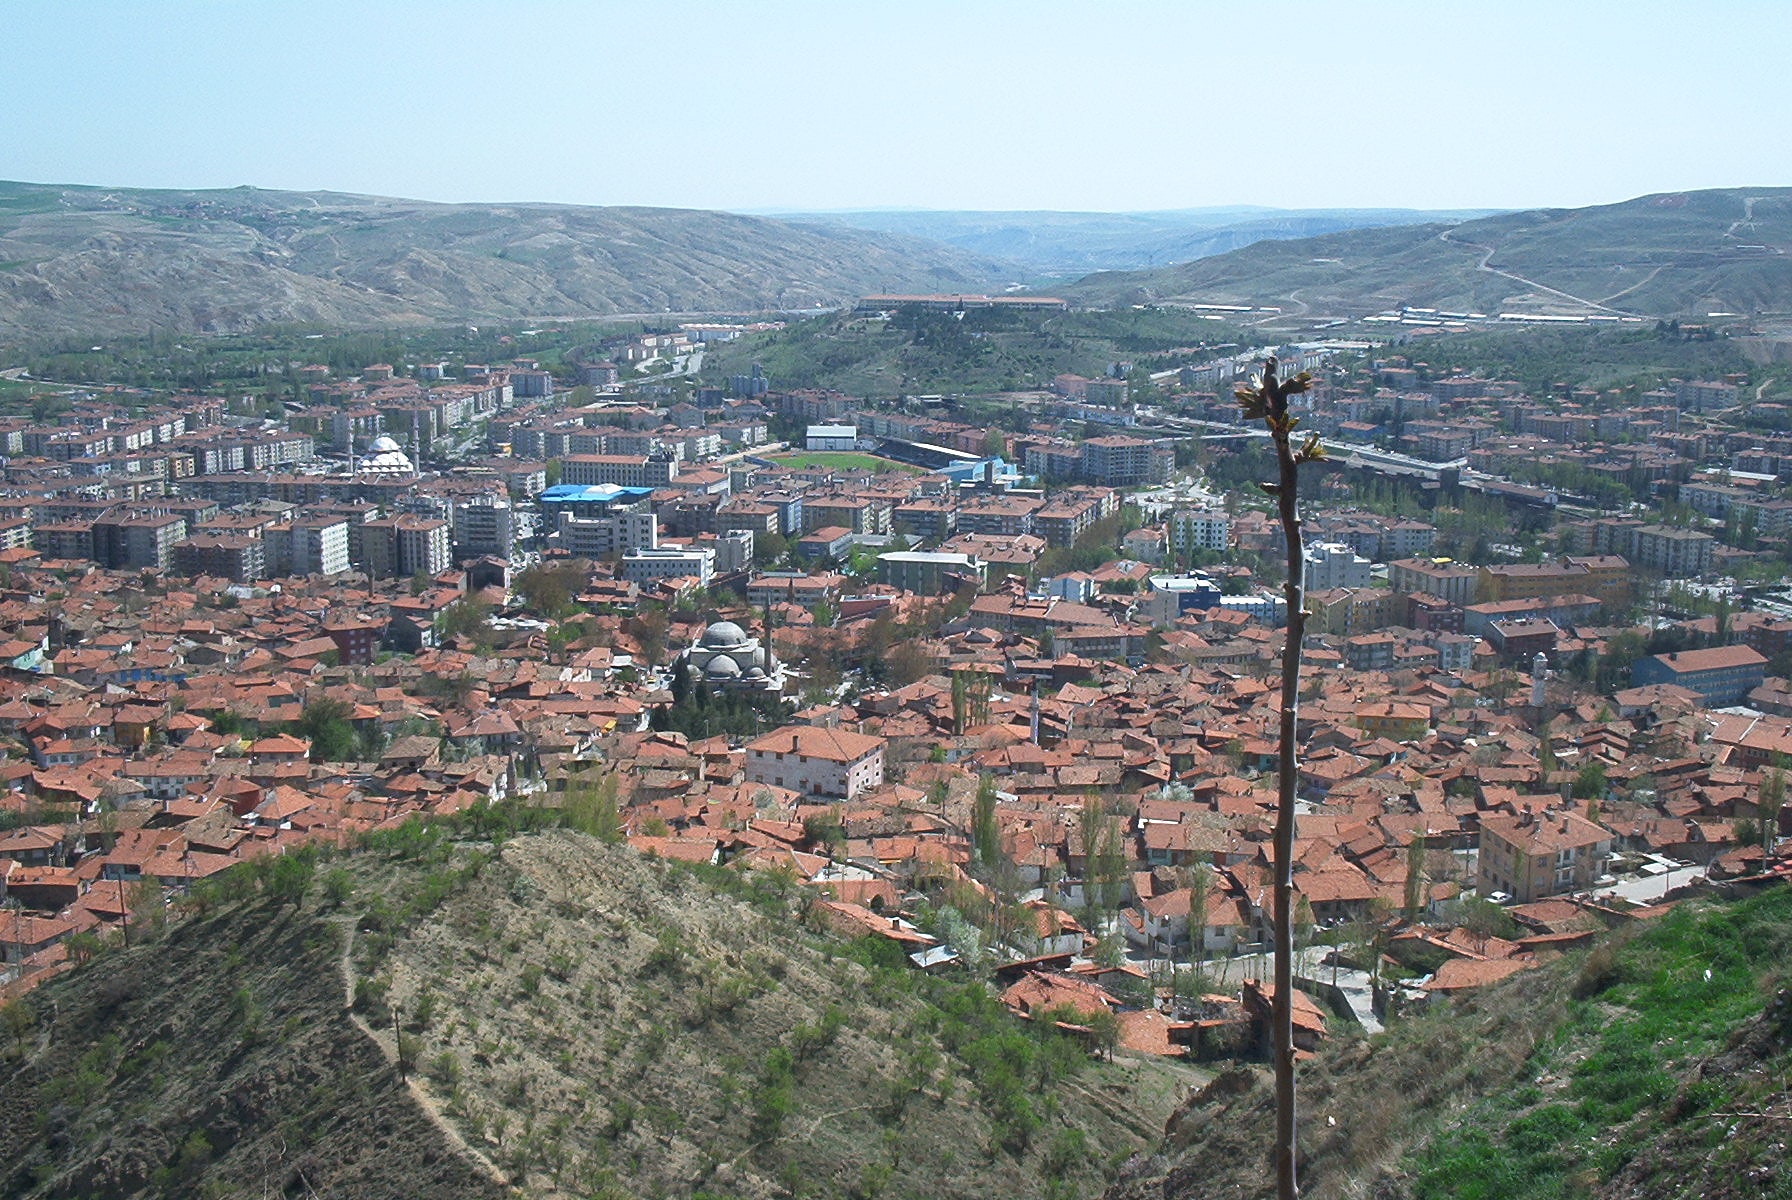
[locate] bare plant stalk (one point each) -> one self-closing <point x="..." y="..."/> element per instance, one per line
<point x="1267" y="400"/>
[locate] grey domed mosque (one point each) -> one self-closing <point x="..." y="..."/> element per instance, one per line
<point x="726" y="657"/>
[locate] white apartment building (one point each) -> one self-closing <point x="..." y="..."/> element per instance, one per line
<point x="816" y="761"/>
<point x="669" y="562"/>
<point x="1335" y="565"/>
<point x="600" y="537"/>
<point x="1203" y="530"/>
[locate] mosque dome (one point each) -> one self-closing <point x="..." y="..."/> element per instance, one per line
<point x="722" y="667"/>
<point x="723" y="634"/>
<point x="384" y="444"/>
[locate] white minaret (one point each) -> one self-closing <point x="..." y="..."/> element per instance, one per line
<point x="1539" y="673"/>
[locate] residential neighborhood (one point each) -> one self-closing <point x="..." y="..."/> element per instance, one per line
<point x="1005" y="697"/>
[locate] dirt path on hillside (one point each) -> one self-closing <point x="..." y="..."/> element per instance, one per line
<point x="425" y="1103"/>
<point x="1486" y="265"/>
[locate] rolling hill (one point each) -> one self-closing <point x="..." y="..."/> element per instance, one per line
<point x="578" y="1019"/>
<point x="1680" y="255"/>
<point x="111" y="260"/>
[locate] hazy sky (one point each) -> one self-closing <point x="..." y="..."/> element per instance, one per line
<point x="1105" y="104"/>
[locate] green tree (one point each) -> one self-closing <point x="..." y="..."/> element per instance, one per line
<point x="1590" y="782"/>
<point x="17" y="1018"/>
<point x="592" y="809"/>
<point x="465" y="618"/>
<point x="1200" y="891"/>
<point x="288" y="878"/>
<point x="986" y="835"/>
<point x="325" y="721"/>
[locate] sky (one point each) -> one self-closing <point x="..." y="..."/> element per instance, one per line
<point x="1104" y="105"/>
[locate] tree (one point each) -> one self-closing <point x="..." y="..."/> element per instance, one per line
<point x="17" y="1019"/>
<point x="1772" y="799"/>
<point x="465" y="618"/>
<point x="288" y="877"/>
<point x="1589" y="782"/>
<point x="1200" y="889"/>
<point x="1266" y="400"/>
<point x="1105" y="855"/>
<point x="986" y="835"/>
<point x="325" y="722"/>
<point x="1415" y="879"/>
<point x="592" y="809"/>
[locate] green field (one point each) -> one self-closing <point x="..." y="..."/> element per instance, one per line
<point x="842" y="460"/>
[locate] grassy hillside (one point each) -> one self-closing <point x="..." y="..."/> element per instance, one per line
<point x="1672" y="255"/>
<point x="1655" y="1065"/>
<point x="987" y="351"/>
<point x="577" y="1019"/>
<point x="115" y="260"/>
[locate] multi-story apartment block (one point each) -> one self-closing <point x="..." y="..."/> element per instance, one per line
<point x="1204" y="529"/>
<point x="484" y="524"/>
<point x="309" y="546"/>
<point x="236" y="557"/>
<point x="1701" y="395"/>
<point x="1444" y="578"/>
<point x="932" y="518"/>
<point x="1120" y="461"/>
<point x="929" y="573"/>
<point x="1676" y="553"/>
<point x="1064" y="517"/>
<point x="614" y="533"/>
<point x="1335" y="565"/>
<point x="131" y="540"/>
<point x="998" y="514"/>
<point x="1606" y="576"/>
<point x="394" y="547"/>
<point x="1722" y="675"/>
<point x="623" y="470"/>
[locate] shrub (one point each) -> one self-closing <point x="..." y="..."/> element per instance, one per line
<point x="1599" y="971"/>
<point x="370" y="994"/>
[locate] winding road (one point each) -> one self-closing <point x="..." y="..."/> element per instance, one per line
<point x="1487" y="257"/>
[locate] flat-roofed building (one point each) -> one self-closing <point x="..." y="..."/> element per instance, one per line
<point x="1444" y="578"/>
<point x="831" y="437"/>
<point x="929" y="573"/>
<point x="670" y="562"/>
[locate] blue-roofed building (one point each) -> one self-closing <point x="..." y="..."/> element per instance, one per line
<point x="588" y="500"/>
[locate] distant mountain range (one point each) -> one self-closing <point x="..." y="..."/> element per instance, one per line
<point x="122" y="260"/>
<point x="1075" y="243"/>
<point x="1683" y="255"/>
<point x="89" y="260"/>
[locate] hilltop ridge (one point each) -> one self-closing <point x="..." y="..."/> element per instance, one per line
<point x="124" y="260"/>
<point x="1670" y="255"/>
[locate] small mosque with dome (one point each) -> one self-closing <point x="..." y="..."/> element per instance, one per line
<point x="384" y="457"/>
<point x="725" y="657"/>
